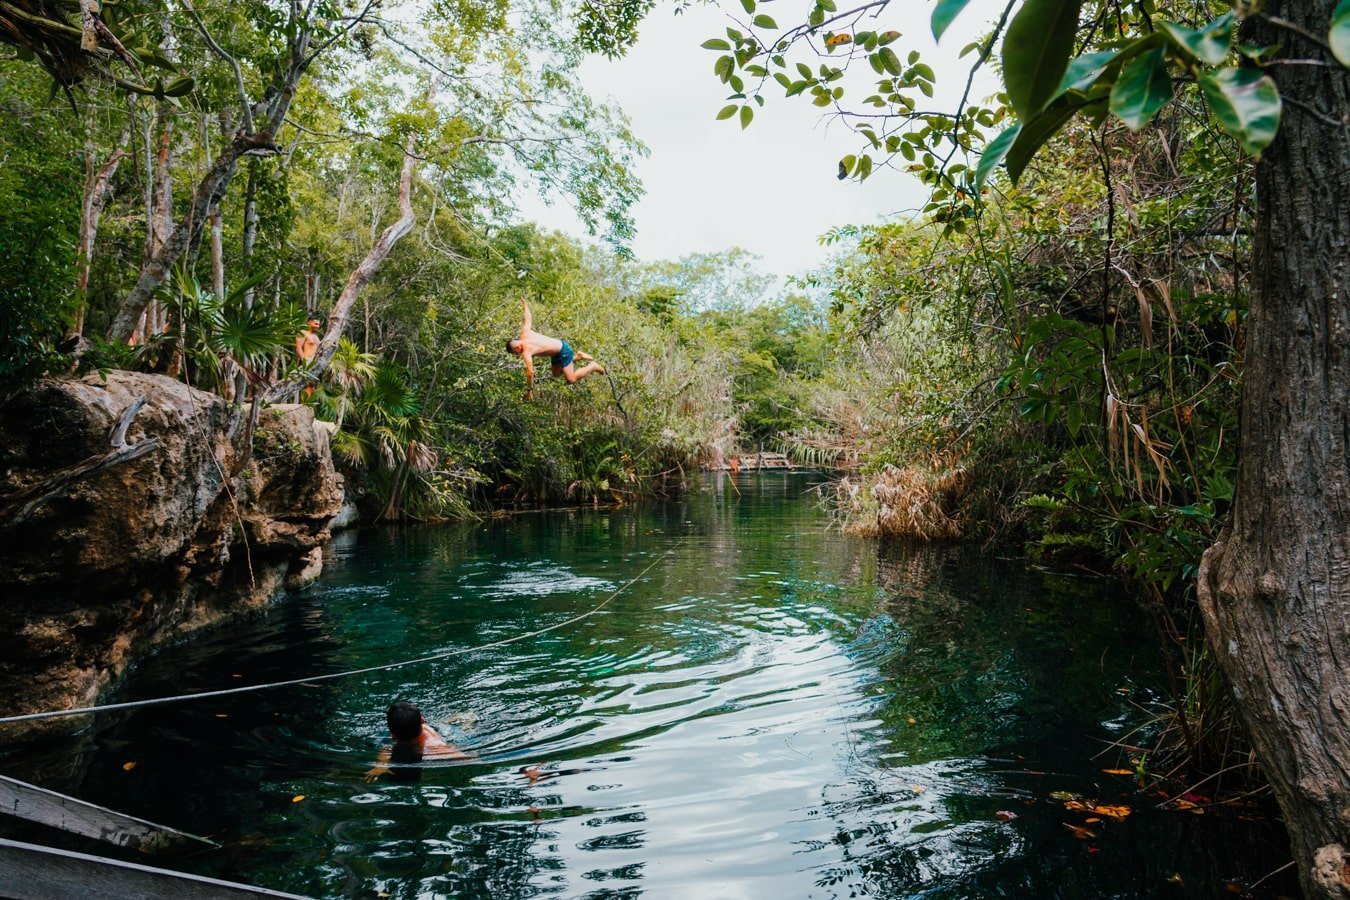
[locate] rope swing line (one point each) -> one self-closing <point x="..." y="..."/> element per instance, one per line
<point x="160" y="701"/>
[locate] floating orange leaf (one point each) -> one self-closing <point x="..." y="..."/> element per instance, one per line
<point x="297" y="798"/>
<point x="1005" y="815"/>
<point x="1118" y="771"/>
<point x="1113" y="812"/>
<point x="1079" y="832"/>
<point x="917" y="788"/>
<point x="127" y="767"/>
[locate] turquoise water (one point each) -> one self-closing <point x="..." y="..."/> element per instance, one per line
<point x="775" y="710"/>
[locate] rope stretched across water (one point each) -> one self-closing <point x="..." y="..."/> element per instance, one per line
<point x="201" y="695"/>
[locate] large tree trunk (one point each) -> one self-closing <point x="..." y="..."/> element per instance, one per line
<point x="337" y="319"/>
<point x="97" y="192"/>
<point x="1275" y="589"/>
<point x="250" y="238"/>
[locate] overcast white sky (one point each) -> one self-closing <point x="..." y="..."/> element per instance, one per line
<point x="771" y="188"/>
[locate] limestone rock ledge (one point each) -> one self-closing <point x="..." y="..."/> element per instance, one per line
<point x="127" y="557"/>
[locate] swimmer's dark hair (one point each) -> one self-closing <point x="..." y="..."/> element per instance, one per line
<point x="405" y="721"/>
<point x="509" y="342"/>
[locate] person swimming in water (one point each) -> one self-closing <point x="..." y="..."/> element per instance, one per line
<point x="414" y="740"/>
<point x="561" y="354"/>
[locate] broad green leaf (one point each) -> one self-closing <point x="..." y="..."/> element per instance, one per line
<point x="763" y="21"/>
<point x="1142" y="90"/>
<point x="944" y="13"/>
<point x="995" y="151"/>
<point x="727" y="112"/>
<point x="747" y="113"/>
<point x="1036" y="53"/>
<point x="749" y="6"/>
<point x="1040" y="129"/>
<point x="1246" y="103"/>
<point x="179" y="87"/>
<point x="1083" y="70"/>
<point x="715" y="44"/>
<point x="1339" y="37"/>
<point x="1209" y="44"/>
<point x="889" y="61"/>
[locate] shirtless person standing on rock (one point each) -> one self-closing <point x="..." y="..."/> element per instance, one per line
<point x="531" y="344"/>
<point x="307" y="345"/>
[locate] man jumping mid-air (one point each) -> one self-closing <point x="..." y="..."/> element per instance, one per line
<point x="531" y="344"/>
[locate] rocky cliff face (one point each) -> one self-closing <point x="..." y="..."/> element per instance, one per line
<point x="98" y="568"/>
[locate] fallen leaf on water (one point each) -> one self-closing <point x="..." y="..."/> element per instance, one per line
<point x="1233" y="887"/>
<point x="1118" y="771"/>
<point x="1094" y="849"/>
<point x="297" y="798"/>
<point x="912" y="720"/>
<point x="1113" y="812"/>
<point x="917" y="788"/>
<point x="1079" y="832"/>
<point x="1188" y="806"/>
<point x="127" y="767"/>
<point x="1005" y="815"/>
<point x="1175" y="878"/>
<point x="1065" y="795"/>
<point x="222" y="715"/>
<point x="1092" y="820"/>
<point x="382" y="894"/>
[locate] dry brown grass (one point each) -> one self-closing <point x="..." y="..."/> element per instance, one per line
<point x="922" y="501"/>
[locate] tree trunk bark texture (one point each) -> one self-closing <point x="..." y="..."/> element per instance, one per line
<point x="379" y="250"/>
<point x="1275" y="589"/>
<point x="97" y="192"/>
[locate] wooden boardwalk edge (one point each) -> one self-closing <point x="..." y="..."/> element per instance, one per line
<point x="36" y="804"/>
<point x="29" y="872"/>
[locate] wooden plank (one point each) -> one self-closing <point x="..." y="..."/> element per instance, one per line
<point x="35" y="804"/>
<point x="30" y="872"/>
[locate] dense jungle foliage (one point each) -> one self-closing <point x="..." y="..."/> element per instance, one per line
<point x="1050" y="353"/>
<point x="429" y="406"/>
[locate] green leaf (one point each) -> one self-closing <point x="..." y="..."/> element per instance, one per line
<point x="1246" y="103"/>
<point x="727" y="112"/>
<point x="1339" y="37"/>
<point x="995" y="151"/>
<point x="1209" y="44"/>
<point x="1083" y="70"/>
<point x="762" y="21"/>
<point x="1040" y="129"/>
<point x="864" y="167"/>
<point x="749" y="6"/>
<point x="943" y="15"/>
<point x="889" y="61"/>
<point x="1143" y="89"/>
<point x="715" y="44"/>
<point x="747" y="113"/>
<point x="179" y="87"/>
<point x="1036" y="53"/>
